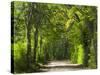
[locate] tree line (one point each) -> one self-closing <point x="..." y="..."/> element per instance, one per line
<point x="43" y="32"/>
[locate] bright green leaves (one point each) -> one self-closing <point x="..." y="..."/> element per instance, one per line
<point x="71" y="12"/>
<point x="80" y="54"/>
<point x="68" y="24"/>
<point x="58" y="32"/>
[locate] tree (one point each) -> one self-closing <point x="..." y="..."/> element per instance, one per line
<point x="45" y="32"/>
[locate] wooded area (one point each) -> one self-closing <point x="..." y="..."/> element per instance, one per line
<point x="43" y="32"/>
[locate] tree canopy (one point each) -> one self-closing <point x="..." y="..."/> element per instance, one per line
<point x="43" y="32"/>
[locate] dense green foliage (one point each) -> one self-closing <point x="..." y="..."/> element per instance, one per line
<point x="44" y="32"/>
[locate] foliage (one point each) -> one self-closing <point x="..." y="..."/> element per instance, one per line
<point x="80" y="54"/>
<point x="45" y="32"/>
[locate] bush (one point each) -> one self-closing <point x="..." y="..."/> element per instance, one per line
<point x="20" y="57"/>
<point x="80" y="54"/>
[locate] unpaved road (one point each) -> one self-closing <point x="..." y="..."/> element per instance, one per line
<point x="61" y="66"/>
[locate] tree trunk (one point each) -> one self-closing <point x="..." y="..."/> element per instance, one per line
<point x="40" y="46"/>
<point x="28" y="47"/>
<point x="35" y="44"/>
<point x="28" y="29"/>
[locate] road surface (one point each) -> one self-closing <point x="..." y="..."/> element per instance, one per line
<point x="63" y="65"/>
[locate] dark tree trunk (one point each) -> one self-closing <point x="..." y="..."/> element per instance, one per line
<point x="84" y="38"/>
<point x="28" y="29"/>
<point x="87" y="45"/>
<point x="28" y="47"/>
<point x="35" y="44"/>
<point x="46" y="54"/>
